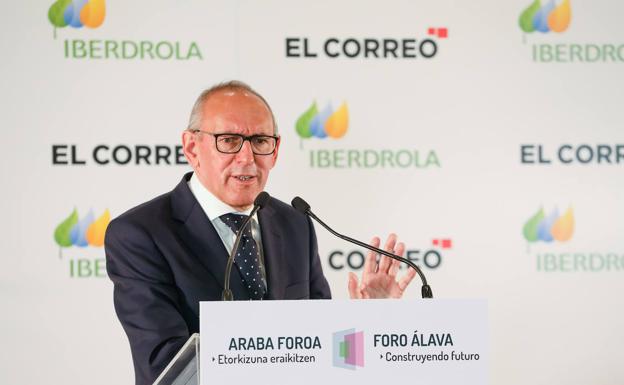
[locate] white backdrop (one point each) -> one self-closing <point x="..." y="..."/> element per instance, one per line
<point x="470" y="107"/>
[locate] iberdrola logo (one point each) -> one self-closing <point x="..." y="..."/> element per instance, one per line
<point x="546" y="18"/>
<point x="321" y="124"/>
<point x="548" y="228"/>
<point x="84" y="232"/>
<point x="77" y="13"/>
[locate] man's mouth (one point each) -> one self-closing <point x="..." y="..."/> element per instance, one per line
<point x="244" y="178"/>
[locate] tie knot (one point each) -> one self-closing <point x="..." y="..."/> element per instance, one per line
<point x="234" y="221"/>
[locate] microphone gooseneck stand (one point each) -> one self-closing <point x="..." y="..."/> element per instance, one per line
<point x="261" y="200"/>
<point x="302" y="206"/>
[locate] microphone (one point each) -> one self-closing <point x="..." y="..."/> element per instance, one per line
<point x="261" y="201"/>
<point x="303" y="206"/>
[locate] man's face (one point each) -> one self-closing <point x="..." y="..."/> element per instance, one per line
<point x="236" y="179"/>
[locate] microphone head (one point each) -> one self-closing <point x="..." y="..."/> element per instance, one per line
<point x="300" y="205"/>
<point x="262" y="199"/>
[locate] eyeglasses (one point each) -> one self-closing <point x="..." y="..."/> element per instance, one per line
<point x="232" y="143"/>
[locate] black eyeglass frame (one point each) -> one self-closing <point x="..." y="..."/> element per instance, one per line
<point x="248" y="138"/>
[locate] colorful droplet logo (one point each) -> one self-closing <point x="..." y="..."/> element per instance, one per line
<point x="78" y="234"/>
<point x="87" y="231"/>
<point x="77" y="13"/>
<point x="323" y="123"/>
<point x="547" y="17"/>
<point x="563" y="228"/>
<point x="63" y="230"/>
<point x="549" y="228"/>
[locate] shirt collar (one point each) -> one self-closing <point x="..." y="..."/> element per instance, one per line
<point x="212" y="206"/>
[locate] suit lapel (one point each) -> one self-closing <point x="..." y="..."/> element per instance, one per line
<point x="200" y="236"/>
<point x="274" y="252"/>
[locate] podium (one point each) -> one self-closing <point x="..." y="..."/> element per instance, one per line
<point x="184" y="367"/>
<point x="334" y="341"/>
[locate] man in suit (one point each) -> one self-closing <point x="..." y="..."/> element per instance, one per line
<point x="168" y="254"/>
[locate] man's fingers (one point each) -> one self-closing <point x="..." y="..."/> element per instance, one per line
<point x="384" y="262"/>
<point x="353" y="285"/>
<point x="370" y="264"/>
<point x="399" y="249"/>
<point x="411" y="273"/>
<point x="394" y="267"/>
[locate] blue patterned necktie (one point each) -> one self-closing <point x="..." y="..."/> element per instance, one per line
<point x="247" y="256"/>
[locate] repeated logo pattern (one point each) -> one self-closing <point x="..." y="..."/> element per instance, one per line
<point x="546" y="18"/>
<point x="321" y="124"/>
<point x="548" y="228"/>
<point x="441" y="32"/>
<point x="77" y="13"/>
<point x="445" y="243"/>
<point x="87" y="231"/>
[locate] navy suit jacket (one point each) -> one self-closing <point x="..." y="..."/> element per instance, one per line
<point x="165" y="256"/>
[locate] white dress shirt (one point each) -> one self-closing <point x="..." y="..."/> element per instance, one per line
<point x="214" y="208"/>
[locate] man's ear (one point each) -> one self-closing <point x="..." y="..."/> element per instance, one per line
<point x="189" y="146"/>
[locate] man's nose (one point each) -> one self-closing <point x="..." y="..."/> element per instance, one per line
<point x="245" y="155"/>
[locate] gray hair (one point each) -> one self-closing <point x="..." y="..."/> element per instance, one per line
<point x="232" y="85"/>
